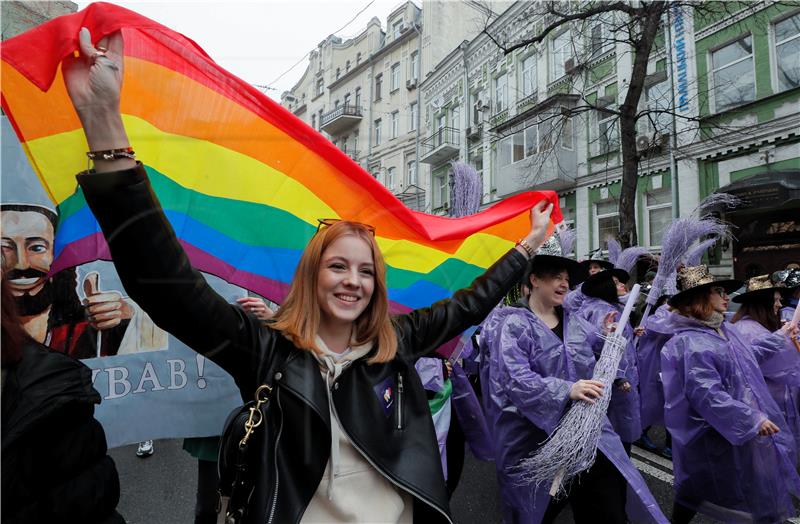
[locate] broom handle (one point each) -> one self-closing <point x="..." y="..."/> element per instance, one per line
<point x="626" y="313"/>
<point x="557" y="483"/>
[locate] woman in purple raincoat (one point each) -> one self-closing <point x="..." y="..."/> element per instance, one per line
<point x="733" y="458"/>
<point x="758" y="317"/>
<point x="603" y="291"/>
<point x="529" y="377"/>
<point x="657" y="331"/>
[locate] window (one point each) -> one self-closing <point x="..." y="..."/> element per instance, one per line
<point x="561" y="52"/>
<point x="733" y="77"/>
<point x="395" y="124"/>
<point x="412" y="125"/>
<point x="390" y="178"/>
<point x="358" y="58"/>
<point x="314" y="121"/>
<point x="787" y="52"/>
<point x="659" y="214"/>
<point x="338" y="73"/>
<point x="346" y="100"/>
<point x="320" y="86"/>
<point x="600" y="35"/>
<point x="529" y="75"/>
<point x="378" y="84"/>
<point x="378" y="132"/>
<point x="355" y="143"/>
<point x="319" y="118"/>
<point x="607" y="220"/>
<point x="347" y="66"/>
<point x="475" y="158"/>
<point x="397" y="28"/>
<point x="441" y="123"/>
<point x="658" y="97"/>
<point x="566" y="137"/>
<point x="531" y="140"/>
<point x="357" y="101"/>
<point x="415" y="65"/>
<point x="394" y="82"/>
<point x="477" y="108"/>
<point x="439" y="189"/>
<point x="504" y="149"/>
<point x="605" y="135"/>
<point x="336" y="104"/>
<point x="411" y="169"/>
<point x="501" y="93"/>
<point x="455" y="117"/>
<point x="517" y="147"/>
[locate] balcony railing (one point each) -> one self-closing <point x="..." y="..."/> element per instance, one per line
<point x="444" y="143"/>
<point x="341" y="118"/>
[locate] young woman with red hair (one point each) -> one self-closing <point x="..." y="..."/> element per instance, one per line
<point x="348" y="435"/>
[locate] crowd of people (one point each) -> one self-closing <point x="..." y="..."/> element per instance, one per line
<point x="353" y="436"/>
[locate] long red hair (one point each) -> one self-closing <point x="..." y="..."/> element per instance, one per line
<point x="298" y="317"/>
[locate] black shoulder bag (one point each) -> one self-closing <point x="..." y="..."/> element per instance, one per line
<point x="241" y="445"/>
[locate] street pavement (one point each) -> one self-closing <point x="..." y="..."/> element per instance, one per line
<point x="160" y="489"/>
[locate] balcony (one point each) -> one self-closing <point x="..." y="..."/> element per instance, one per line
<point x="340" y="119"/>
<point x="440" y="146"/>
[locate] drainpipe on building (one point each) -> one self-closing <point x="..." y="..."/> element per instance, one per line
<point x="371" y="80"/>
<point x="673" y="166"/>
<point x="419" y="104"/>
<point x="465" y="107"/>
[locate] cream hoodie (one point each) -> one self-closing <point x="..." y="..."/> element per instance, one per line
<point x="356" y="492"/>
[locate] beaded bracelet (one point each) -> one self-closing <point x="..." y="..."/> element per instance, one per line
<point x="527" y="247"/>
<point x="112" y="154"/>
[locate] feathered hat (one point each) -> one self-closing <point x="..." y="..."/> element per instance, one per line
<point x="693" y="280"/>
<point x="758" y="289"/>
<point x="552" y="255"/>
<point x="622" y="261"/>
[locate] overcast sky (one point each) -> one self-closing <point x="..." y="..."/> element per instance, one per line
<point x="260" y="40"/>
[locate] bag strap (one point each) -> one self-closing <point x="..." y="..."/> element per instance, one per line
<point x="242" y="488"/>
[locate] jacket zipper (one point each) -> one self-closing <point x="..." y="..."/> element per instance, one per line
<point x="271" y="515"/>
<point x="399" y="409"/>
<point x="384" y="475"/>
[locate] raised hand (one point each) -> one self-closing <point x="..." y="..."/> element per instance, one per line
<point x="257" y="307"/>
<point x="609" y="323"/>
<point x="105" y="309"/>
<point x="94" y="79"/>
<point x="94" y="84"/>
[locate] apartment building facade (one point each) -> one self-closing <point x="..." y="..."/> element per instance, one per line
<point x="363" y="92"/>
<point x="542" y="117"/>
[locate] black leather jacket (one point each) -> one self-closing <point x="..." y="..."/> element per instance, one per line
<point x="55" y="466"/>
<point x="400" y="443"/>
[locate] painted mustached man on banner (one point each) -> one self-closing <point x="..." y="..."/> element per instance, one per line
<point x="102" y="324"/>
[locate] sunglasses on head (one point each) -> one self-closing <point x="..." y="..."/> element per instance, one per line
<point x="326" y="222"/>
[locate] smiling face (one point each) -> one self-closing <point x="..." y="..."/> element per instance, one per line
<point x="27" y="250"/>
<point x="551" y="289"/>
<point x="345" y="281"/>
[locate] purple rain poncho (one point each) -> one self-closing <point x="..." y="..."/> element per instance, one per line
<point x="624" y="408"/>
<point x="574" y="299"/>
<point x="716" y="401"/>
<point x="648" y="356"/>
<point x="785" y="396"/>
<point x="526" y="375"/>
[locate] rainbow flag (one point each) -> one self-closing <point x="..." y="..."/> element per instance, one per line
<point x="241" y="179"/>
